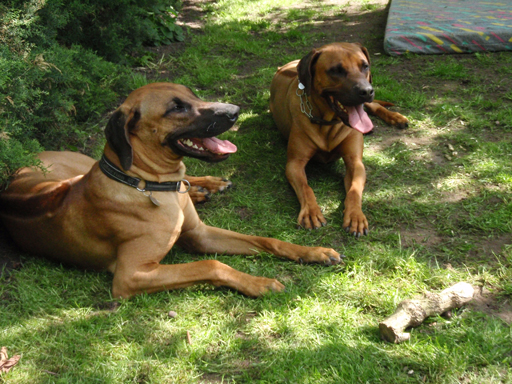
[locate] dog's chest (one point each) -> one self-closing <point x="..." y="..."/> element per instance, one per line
<point x="328" y="137"/>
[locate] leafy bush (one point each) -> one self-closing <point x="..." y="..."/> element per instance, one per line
<point x="56" y="80"/>
<point x="111" y="27"/>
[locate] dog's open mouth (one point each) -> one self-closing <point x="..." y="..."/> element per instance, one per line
<point x="198" y="138"/>
<point x="210" y="149"/>
<point x="353" y="116"/>
<point x="210" y="144"/>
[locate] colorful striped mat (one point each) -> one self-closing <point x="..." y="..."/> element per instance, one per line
<point x="448" y="26"/>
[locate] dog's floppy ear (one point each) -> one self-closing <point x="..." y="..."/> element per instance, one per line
<point x="117" y="134"/>
<point x="365" y="51"/>
<point x="306" y="69"/>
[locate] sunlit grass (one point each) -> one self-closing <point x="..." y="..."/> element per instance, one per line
<point x="437" y="198"/>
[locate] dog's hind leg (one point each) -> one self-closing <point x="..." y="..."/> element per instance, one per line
<point x="130" y="280"/>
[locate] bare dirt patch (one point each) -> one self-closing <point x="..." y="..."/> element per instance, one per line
<point x="423" y="235"/>
<point x="487" y="302"/>
<point x="490" y="247"/>
<point x="211" y="378"/>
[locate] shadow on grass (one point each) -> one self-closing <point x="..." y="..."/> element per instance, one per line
<point x="138" y="339"/>
<point x="67" y="339"/>
<point x="54" y="316"/>
<point x="236" y="50"/>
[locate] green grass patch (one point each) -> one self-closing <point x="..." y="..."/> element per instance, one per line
<point x="437" y="199"/>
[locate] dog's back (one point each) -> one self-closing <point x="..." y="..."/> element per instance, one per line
<point x="284" y="82"/>
<point x="34" y="192"/>
<point x="33" y="206"/>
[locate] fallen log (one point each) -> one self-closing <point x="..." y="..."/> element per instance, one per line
<point x="411" y="313"/>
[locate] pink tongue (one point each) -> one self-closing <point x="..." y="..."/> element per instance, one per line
<point x="358" y="119"/>
<point x="219" y="146"/>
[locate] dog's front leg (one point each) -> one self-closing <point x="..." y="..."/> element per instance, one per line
<point x="377" y="108"/>
<point x="310" y="215"/>
<point x="206" y="239"/>
<point x="354" y="220"/>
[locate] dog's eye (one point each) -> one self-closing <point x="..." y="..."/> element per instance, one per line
<point x="365" y="66"/>
<point x="177" y="106"/>
<point x="337" y="71"/>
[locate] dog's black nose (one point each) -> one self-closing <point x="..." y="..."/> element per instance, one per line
<point x="225" y="111"/>
<point x="365" y="92"/>
<point x="233" y="114"/>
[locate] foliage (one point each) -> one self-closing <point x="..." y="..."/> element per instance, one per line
<point x="111" y="27"/>
<point x="437" y="198"/>
<point x="14" y="155"/>
<point x="163" y="19"/>
<point x="55" y="77"/>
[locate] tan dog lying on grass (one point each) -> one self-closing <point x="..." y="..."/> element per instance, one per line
<point x="317" y="104"/>
<point x="124" y="213"/>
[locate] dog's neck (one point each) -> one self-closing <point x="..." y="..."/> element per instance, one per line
<point x="328" y="117"/>
<point x="145" y="168"/>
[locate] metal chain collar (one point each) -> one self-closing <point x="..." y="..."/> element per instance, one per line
<point x="304" y="101"/>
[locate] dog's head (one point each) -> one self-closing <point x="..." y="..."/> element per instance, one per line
<point x="169" y="121"/>
<point x="340" y="74"/>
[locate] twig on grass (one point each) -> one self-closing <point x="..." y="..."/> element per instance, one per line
<point x="411" y="313"/>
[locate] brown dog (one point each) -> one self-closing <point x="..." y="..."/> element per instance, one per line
<point x="125" y="212"/>
<point x="317" y="104"/>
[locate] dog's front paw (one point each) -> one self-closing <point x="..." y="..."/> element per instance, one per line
<point x="311" y="217"/>
<point x="214" y="184"/>
<point x="355" y="223"/>
<point x="202" y="187"/>
<point x="258" y="286"/>
<point x="327" y="256"/>
<point x="398" y="120"/>
<point x="199" y="194"/>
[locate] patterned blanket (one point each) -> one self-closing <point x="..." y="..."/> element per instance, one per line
<point x="448" y="26"/>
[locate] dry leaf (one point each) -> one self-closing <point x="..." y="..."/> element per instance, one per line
<point x="3" y="355"/>
<point x="5" y="363"/>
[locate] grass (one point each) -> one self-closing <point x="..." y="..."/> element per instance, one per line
<point x="437" y="199"/>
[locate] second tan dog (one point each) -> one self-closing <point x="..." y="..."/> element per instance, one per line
<point x="124" y="213"/>
<point x="317" y="104"/>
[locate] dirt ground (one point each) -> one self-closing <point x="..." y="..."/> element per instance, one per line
<point x="367" y="28"/>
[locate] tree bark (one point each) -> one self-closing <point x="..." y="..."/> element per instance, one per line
<point x="411" y="313"/>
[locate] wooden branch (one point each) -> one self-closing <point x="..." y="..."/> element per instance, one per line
<point x="411" y="313"/>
